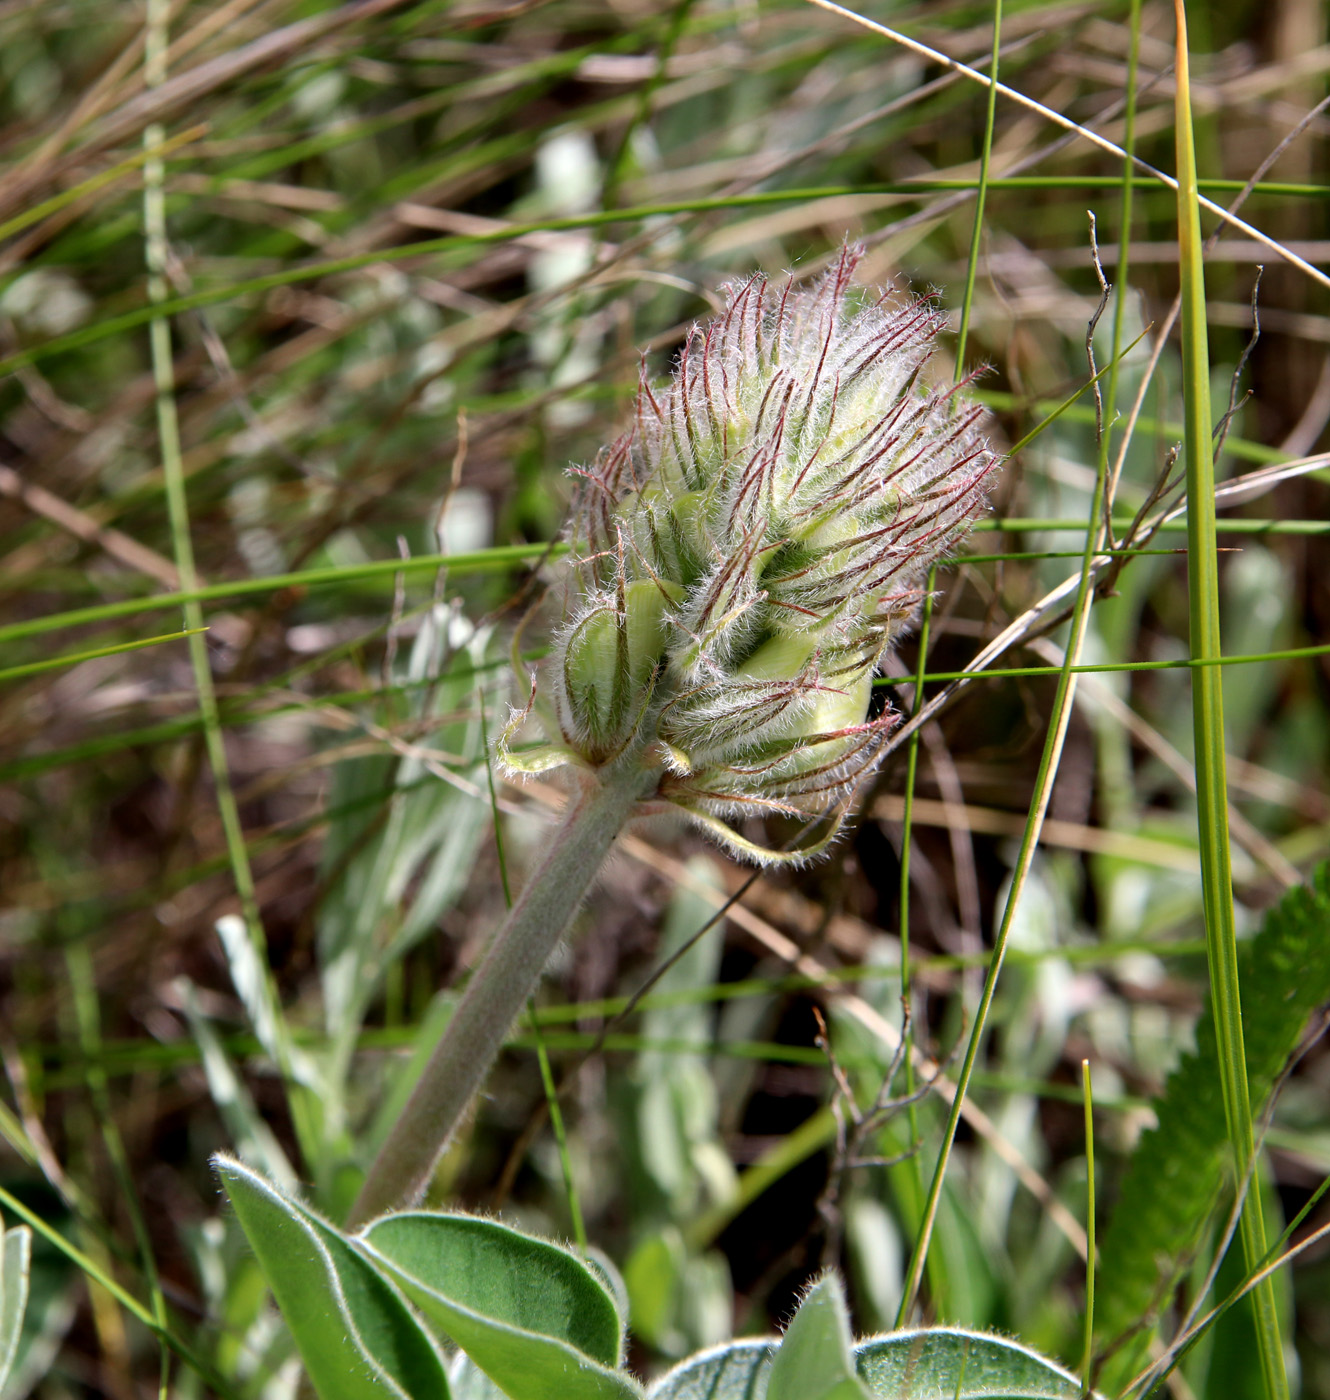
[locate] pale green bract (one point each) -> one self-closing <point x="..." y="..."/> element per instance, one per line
<point x="743" y="557"/>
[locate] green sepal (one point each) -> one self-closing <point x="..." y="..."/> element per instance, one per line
<point x="610" y="661"/>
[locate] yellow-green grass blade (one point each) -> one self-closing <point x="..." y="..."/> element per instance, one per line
<point x="93" y="183"/>
<point x="33" y="668"/>
<point x="1048" y="766"/>
<point x="1060" y="119"/>
<point x="173" y="475"/>
<point x="89" y="1266"/>
<point x="312" y="271"/>
<point x="503" y="557"/>
<point x="1208" y="713"/>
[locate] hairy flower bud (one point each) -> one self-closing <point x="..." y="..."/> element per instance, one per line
<point x="748" y="551"/>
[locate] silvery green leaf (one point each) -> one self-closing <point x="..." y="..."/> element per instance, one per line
<point x="15" y="1262"/>
<point x="734" y="1371"/>
<point x="530" y="1314"/>
<point x="356" y="1335"/>
<point x="253" y="1139"/>
<point x="953" y="1363"/>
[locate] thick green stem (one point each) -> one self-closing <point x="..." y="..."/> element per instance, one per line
<point x="499" y="989"/>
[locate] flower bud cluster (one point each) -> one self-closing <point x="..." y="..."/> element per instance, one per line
<point x="747" y="552"/>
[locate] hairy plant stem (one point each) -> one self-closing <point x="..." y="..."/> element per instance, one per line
<point x="499" y="988"/>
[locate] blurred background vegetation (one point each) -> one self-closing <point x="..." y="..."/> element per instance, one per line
<point x="411" y="253"/>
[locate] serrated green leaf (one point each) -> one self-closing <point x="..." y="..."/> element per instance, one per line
<point x="531" y="1315"/>
<point x="356" y="1335"/>
<point x="953" y="1363"/>
<point x="735" y="1371"/>
<point x="15" y="1261"/>
<point x="815" y="1360"/>
<point x="1172" y="1183"/>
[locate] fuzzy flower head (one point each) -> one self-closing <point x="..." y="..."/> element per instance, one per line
<point x="747" y="552"/>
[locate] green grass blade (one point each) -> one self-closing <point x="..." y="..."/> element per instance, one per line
<point x="912" y="1173"/>
<point x="384" y="570"/>
<point x="1090" y="1253"/>
<point x="90" y="186"/>
<point x="502" y="557"/>
<point x="33" y="668"/>
<point x="985" y="159"/>
<point x="1043" y="791"/>
<point x="173" y="474"/>
<point x="1208" y="713"/>
<point x="182" y="1348"/>
<point x="1059" y="119"/>
<point x="1050" y="759"/>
